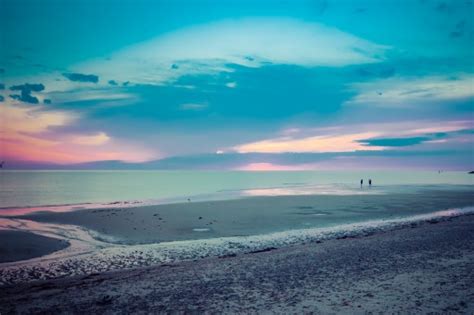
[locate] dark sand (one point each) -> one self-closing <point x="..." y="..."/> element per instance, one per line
<point x="252" y="216"/>
<point x="18" y="245"/>
<point x="423" y="269"/>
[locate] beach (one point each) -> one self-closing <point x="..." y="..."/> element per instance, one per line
<point x="286" y="247"/>
<point x="236" y="157"/>
<point x="421" y="268"/>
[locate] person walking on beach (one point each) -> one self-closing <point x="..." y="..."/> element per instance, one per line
<point x="361" y="183"/>
<point x="370" y="182"/>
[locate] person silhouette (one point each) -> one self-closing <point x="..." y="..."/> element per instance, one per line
<point x="361" y="183"/>
<point x="370" y="182"/>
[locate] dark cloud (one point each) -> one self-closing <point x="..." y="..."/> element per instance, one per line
<point x="394" y="142"/>
<point x="126" y="83"/>
<point x="1" y="98"/>
<point x="113" y="82"/>
<point x="25" y="92"/>
<point x="27" y="98"/>
<point x="174" y="66"/>
<point x="2" y="86"/>
<point x="79" y="77"/>
<point x="47" y="101"/>
<point x="409" y="141"/>
<point x="28" y="87"/>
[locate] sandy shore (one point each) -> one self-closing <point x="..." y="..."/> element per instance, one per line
<point x="427" y="268"/>
<point x="18" y="245"/>
<point x="251" y="216"/>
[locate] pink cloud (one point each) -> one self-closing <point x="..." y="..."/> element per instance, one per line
<point x="325" y="143"/>
<point x="25" y="136"/>
<point x="270" y="167"/>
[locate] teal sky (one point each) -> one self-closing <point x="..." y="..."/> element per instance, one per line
<point x="238" y="84"/>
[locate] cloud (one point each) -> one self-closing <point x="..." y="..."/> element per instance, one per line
<point x="404" y="91"/>
<point x="427" y="135"/>
<point x="270" y="167"/>
<point x="231" y="85"/>
<point x="358" y="137"/>
<point x="25" y="95"/>
<point x="193" y="106"/>
<point x="79" y="77"/>
<point x="29" y="134"/>
<point x="326" y="143"/>
<point x="92" y="94"/>
<point x="28" y="88"/>
<point x="2" y="86"/>
<point x="113" y="82"/>
<point x="251" y="42"/>
<point x="97" y="139"/>
<point x="2" y="98"/>
<point x="19" y="120"/>
<point x="394" y="142"/>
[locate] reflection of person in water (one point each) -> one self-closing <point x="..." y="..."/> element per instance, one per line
<point x="370" y="182"/>
<point x="361" y="183"/>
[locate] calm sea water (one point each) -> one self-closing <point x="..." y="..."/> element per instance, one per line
<point x="39" y="188"/>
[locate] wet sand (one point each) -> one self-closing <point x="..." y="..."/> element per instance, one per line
<point x="251" y="216"/>
<point x="420" y="269"/>
<point x="19" y="245"/>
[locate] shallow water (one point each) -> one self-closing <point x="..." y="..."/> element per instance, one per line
<point x="83" y="188"/>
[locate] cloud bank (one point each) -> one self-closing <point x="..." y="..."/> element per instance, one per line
<point x="250" y="42"/>
<point x="79" y="77"/>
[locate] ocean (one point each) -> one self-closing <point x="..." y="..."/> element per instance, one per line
<point x="95" y="188"/>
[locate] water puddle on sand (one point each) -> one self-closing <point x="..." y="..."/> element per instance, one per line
<point x="87" y="254"/>
<point x="80" y="240"/>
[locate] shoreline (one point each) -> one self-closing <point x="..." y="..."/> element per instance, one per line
<point x="149" y="224"/>
<point x="88" y="255"/>
<point x="284" y="190"/>
<point x="422" y="268"/>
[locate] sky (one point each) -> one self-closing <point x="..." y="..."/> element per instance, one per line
<point x="240" y="85"/>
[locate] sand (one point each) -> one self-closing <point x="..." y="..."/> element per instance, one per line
<point x="251" y="216"/>
<point x="423" y="269"/>
<point x="19" y="245"/>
